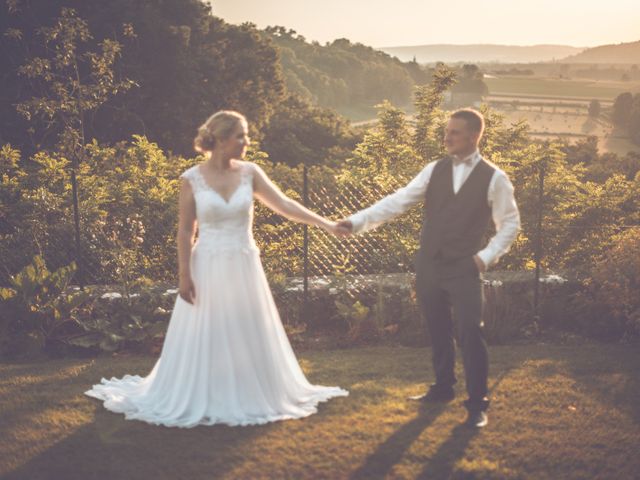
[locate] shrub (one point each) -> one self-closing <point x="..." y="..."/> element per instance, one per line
<point x="610" y="302"/>
<point x="37" y="311"/>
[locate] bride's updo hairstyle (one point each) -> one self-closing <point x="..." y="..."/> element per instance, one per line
<point x="218" y="126"/>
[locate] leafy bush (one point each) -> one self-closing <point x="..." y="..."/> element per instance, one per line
<point x="610" y="303"/>
<point x="133" y="321"/>
<point x="37" y="311"/>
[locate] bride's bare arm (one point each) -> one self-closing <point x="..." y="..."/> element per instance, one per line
<point x="269" y="194"/>
<point x="186" y="232"/>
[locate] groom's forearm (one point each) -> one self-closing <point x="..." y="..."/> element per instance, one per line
<point x="506" y="218"/>
<point x="367" y="219"/>
<point x="501" y="242"/>
<point x="386" y="209"/>
<point x="394" y="204"/>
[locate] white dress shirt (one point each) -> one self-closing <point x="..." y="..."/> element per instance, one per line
<point x="500" y="199"/>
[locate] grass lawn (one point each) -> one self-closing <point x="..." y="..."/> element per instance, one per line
<point x="559" y="412"/>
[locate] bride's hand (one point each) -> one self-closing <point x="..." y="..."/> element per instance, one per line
<point x="186" y="289"/>
<point x="336" y="228"/>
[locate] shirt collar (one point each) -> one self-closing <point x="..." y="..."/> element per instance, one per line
<point x="469" y="160"/>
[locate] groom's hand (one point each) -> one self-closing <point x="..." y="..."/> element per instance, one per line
<point x="345" y="228"/>
<point x="480" y="264"/>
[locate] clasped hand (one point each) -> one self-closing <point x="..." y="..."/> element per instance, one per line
<point x="341" y="229"/>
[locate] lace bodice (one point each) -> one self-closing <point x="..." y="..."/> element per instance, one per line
<point x="223" y="225"/>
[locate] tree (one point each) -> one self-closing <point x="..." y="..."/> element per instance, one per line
<point x="342" y="74"/>
<point x="186" y="62"/>
<point x="622" y="109"/>
<point x="594" y="108"/>
<point x="301" y="133"/>
<point x="428" y="100"/>
<point x="470" y="86"/>
<point x="471" y="81"/>
<point x="634" y="120"/>
<point x="71" y="81"/>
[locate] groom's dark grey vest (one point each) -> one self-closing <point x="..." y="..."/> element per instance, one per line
<point x="455" y="223"/>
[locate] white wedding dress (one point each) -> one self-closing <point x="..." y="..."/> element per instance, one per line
<point x="225" y="359"/>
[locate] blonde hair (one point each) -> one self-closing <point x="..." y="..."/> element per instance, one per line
<point x="218" y="126"/>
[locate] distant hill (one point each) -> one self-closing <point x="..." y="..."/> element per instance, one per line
<point x="344" y="75"/>
<point x="620" y="53"/>
<point x="482" y="53"/>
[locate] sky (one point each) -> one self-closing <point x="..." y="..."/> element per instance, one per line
<point x="390" y="23"/>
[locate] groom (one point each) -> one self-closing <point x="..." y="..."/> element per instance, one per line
<point x="462" y="193"/>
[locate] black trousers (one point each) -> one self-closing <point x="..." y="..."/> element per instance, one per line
<point x="448" y="290"/>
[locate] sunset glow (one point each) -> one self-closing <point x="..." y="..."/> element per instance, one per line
<point x="381" y="23"/>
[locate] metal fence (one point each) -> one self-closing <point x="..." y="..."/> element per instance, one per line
<point x="139" y="247"/>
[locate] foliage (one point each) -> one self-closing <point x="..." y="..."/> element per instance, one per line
<point x="301" y="133"/>
<point x="129" y="195"/>
<point x="626" y="114"/>
<point x="37" y="311"/>
<point x="470" y="84"/>
<point x="40" y="311"/>
<point x="428" y="98"/>
<point x="342" y="74"/>
<point x="621" y="111"/>
<point x="128" y="211"/>
<point x="356" y="315"/>
<point x="132" y="321"/>
<point x="70" y="83"/>
<point x="507" y="314"/>
<point x="610" y="305"/>
<point x="177" y="90"/>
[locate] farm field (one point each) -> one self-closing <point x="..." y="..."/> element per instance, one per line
<point x="572" y="127"/>
<point x="560" y="88"/>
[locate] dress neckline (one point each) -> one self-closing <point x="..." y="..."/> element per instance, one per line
<point x="206" y="184"/>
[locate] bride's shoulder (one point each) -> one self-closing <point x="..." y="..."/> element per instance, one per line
<point x="192" y="179"/>
<point x="250" y="167"/>
<point x="189" y="173"/>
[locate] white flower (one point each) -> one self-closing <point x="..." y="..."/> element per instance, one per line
<point x="134" y="295"/>
<point x="494" y="283"/>
<point x="111" y="295"/>
<point x="171" y="291"/>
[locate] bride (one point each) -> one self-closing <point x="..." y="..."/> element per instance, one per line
<point x="226" y="357"/>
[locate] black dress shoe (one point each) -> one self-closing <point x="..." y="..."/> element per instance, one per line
<point x="436" y="395"/>
<point x="477" y="419"/>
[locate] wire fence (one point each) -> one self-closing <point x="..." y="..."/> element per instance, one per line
<point x="141" y="244"/>
<point x="139" y="247"/>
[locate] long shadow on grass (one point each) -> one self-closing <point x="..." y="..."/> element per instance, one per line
<point x="443" y="462"/>
<point x="113" y="448"/>
<point x="441" y="465"/>
<point x="380" y="462"/>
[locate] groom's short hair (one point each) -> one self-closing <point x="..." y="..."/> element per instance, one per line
<point x="474" y="119"/>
